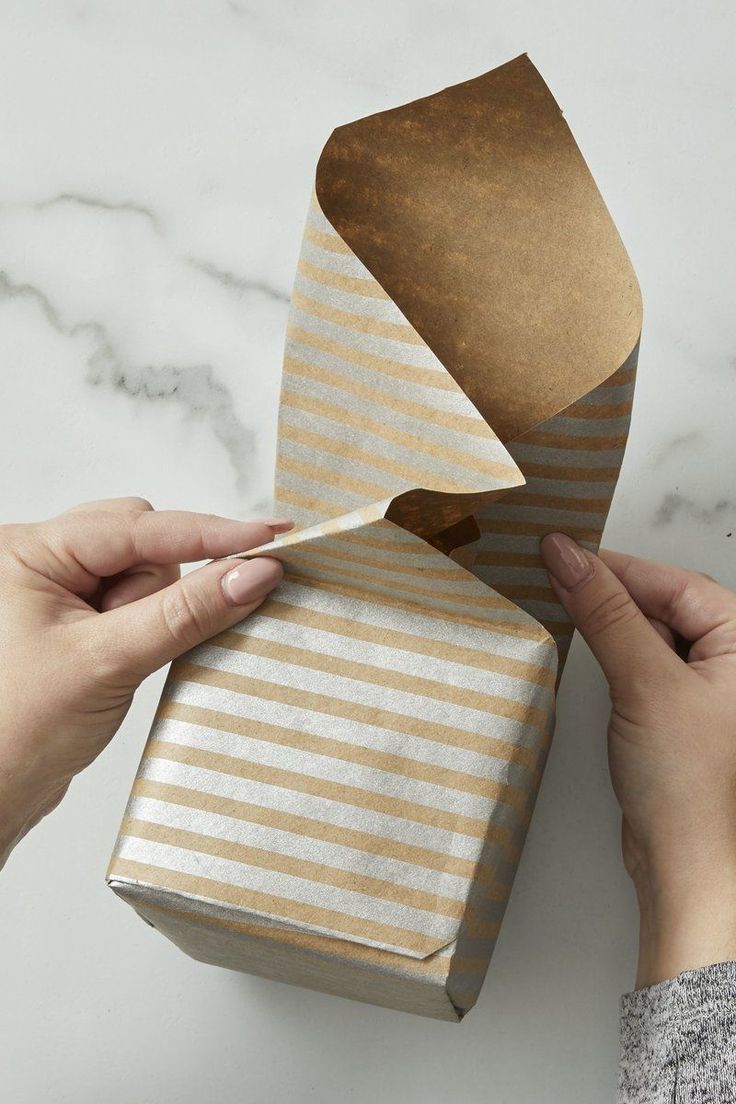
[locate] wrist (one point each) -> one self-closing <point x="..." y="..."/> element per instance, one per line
<point x="22" y="805"/>
<point x="687" y="917"/>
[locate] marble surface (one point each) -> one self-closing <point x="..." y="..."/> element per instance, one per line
<point x="156" y="162"/>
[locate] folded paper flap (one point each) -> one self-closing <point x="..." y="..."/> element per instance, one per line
<point x="421" y="941"/>
<point x="142" y="887"/>
<point x="282" y="546"/>
<point x="371" y="556"/>
<point x="367" y="410"/>
<point x="475" y="211"/>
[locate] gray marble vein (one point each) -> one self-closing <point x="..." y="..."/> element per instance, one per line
<point x="676" y="445"/>
<point x="98" y="204"/>
<point x="239" y="284"/>
<point x="194" y="388"/>
<point x="674" y="505"/>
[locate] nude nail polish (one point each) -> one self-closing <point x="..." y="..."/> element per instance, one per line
<point x="251" y="580"/>
<point x="565" y="560"/>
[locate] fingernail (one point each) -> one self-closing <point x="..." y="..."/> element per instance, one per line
<point x="565" y="560"/>
<point x="279" y="525"/>
<point x="251" y="580"/>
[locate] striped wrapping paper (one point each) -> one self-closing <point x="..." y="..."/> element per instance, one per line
<point x="336" y="791"/>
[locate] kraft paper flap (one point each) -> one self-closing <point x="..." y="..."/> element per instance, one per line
<point x="476" y="212"/>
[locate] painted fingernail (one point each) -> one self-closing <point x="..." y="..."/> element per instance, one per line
<point x="279" y="525"/>
<point x="565" y="560"/>
<point x="251" y="580"/>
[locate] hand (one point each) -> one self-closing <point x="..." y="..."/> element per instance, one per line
<point x="91" y="604"/>
<point x="666" y="640"/>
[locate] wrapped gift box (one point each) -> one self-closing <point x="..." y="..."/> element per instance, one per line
<point x="335" y="793"/>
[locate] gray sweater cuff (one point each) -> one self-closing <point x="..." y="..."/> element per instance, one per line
<point x="678" y="1040"/>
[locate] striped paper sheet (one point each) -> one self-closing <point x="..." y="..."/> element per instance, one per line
<point x="336" y="791"/>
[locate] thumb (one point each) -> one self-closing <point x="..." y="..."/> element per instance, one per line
<point x="139" y="638"/>
<point x="620" y="637"/>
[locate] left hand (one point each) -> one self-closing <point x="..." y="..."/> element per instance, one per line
<point x="92" y="603"/>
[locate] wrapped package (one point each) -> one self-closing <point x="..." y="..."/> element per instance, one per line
<point x="336" y="792"/>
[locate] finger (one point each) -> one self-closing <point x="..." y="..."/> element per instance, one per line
<point x="137" y="639"/>
<point x="100" y="543"/>
<point x="131" y="503"/>
<point x="664" y="631"/>
<point x="694" y="605"/>
<point x="617" y="632"/>
<point x="137" y="583"/>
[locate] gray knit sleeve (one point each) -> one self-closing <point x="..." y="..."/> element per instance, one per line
<point x="678" y="1040"/>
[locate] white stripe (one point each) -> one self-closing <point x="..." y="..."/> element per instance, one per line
<point x="281" y="842"/>
<point x="282" y="757"/>
<point x="336" y="813"/>
<point x="344" y="729"/>
<point x="431" y="628"/>
<point x="391" y="658"/>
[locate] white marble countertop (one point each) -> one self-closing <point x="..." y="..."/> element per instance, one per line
<point x="156" y="161"/>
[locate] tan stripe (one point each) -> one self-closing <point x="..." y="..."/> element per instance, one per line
<point x="520" y="591"/>
<point x="362" y="421"/>
<point x="538" y="529"/>
<point x="507" y="628"/>
<point x="338" y="834"/>
<point x="407" y="373"/>
<point x="334" y="791"/>
<point x="355" y="285"/>
<point x="450" y="574"/>
<point x="362" y="323"/>
<point x="392" y="638"/>
<point x="481" y="929"/>
<point x="381" y="576"/>
<point x="597" y="411"/>
<point x="314" y="505"/>
<point x="521" y="497"/>
<point x="340" y="750"/>
<point x="570" y="474"/>
<point x="407" y="543"/>
<point x="560" y="441"/>
<point x="312" y="915"/>
<point x="374" y="459"/>
<point x="293" y="867"/>
<point x="433" y="965"/>
<point x="333" y="243"/>
<point x="318" y="473"/>
<point x="472" y="425"/>
<point x="280" y="651"/>
<point x="620" y="377"/>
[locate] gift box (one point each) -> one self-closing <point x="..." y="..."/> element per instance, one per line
<point x="335" y="793"/>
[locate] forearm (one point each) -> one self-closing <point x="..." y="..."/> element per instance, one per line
<point x="687" y="908"/>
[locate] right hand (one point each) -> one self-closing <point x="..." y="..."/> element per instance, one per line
<point x="666" y="640"/>
<point x="92" y="603"/>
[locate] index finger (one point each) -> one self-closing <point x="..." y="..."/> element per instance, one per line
<point x="104" y="543"/>
<point x="600" y="606"/>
